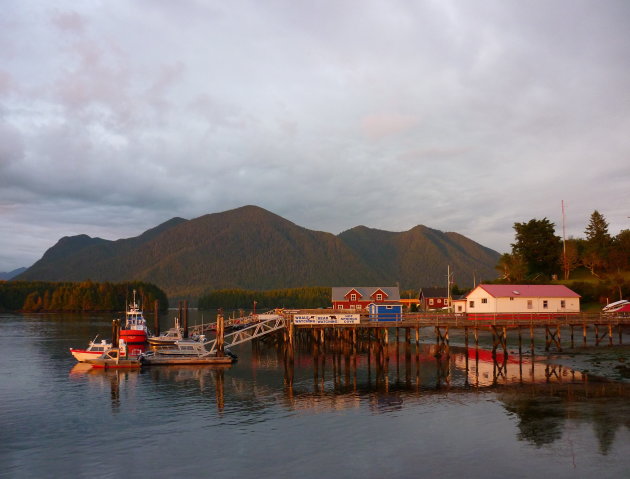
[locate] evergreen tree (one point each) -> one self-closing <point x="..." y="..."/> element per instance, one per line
<point x="598" y="243"/>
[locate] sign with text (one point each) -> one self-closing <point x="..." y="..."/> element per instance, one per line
<point x="321" y="319"/>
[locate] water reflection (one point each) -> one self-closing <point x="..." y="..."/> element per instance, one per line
<point x="314" y="377"/>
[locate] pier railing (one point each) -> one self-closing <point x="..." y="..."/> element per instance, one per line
<point x="458" y="320"/>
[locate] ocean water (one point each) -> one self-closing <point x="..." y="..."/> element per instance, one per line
<point x="309" y="415"/>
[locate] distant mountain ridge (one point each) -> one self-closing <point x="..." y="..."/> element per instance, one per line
<point x="252" y="248"/>
<point x="5" y="276"/>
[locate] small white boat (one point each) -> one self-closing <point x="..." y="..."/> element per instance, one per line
<point x="115" y="358"/>
<point x="94" y="350"/>
<point x="170" y="337"/>
<point x="186" y="351"/>
<point x="185" y="347"/>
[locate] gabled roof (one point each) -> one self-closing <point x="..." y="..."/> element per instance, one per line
<point x="339" y="292"/>
<point x="527" y="291"/>
<point x="434" y="292"/>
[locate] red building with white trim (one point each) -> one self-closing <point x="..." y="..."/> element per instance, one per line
<point x="360" y="297"/>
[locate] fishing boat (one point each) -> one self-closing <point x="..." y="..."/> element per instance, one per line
<point x="115" y="358"/>
<point x="135" y="328"/>
<point x="94" y="350"/>
<point x="169" y="337"/>
<point x="186" y="351"/>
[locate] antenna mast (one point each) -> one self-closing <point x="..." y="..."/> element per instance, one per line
<point x="565" y="266"/>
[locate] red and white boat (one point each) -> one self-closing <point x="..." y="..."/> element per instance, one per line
<point x="94" y="350"/>
<point x="134" y="330"/>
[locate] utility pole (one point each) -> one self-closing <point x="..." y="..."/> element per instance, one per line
<point x="449" y="276"/>
<point x="565" y="266"/>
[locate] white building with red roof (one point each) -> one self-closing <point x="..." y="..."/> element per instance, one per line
<point x="521" y="298"/>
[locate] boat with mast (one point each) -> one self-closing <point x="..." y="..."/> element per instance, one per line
<point x="135" y="328"/>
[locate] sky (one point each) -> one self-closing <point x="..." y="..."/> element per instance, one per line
<point x="463" y="116"/>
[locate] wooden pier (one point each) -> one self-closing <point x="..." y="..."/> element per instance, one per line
<point x="604" y="329"/>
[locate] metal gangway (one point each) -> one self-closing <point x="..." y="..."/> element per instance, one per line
<point x="275" y="322"/>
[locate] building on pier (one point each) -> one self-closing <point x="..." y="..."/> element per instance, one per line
<point x="435" y="298"/>
<point x="360" y="297"/>
<point x="388" y="311"/>
<point x="520" y="299"/>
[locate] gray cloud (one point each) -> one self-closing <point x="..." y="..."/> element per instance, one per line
<point x="463" y="116"/>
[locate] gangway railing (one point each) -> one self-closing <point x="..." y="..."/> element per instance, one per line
<point x="262" y="328"/>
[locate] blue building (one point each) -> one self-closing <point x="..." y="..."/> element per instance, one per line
<point x="390" y="311"/>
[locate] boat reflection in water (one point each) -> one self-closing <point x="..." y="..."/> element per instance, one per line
<point x="539" y="394"/>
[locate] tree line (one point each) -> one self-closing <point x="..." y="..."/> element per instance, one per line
<point x="539" y="254"/>
<point x="306" y="297"/>
<point x="41" y="296"/>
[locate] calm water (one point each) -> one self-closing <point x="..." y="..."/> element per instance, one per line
<point x="326" y="416"/>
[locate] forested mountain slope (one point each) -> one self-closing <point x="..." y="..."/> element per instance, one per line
<point x="252" y="248"/>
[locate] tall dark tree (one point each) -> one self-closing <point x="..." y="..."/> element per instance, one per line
<point x="598" y="243"/>
<point x="536" y="242"/>
<point x="597" y="229"/>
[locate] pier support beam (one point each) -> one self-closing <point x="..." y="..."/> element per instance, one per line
<point x="552" y="337"/>
<point x="442" y="341"/>
<point x="499" y="338"/>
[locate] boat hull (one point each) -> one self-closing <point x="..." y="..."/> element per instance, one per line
<point x="132" y="336"/>
<point x="83" y="355"/>
<point x="112" y="363"/>
<point x="161" y="342"/>
<point x="174" y="360"/>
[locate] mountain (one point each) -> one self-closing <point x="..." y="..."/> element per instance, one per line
<point x="11" y="274"/>
<point x="420" y="257"/>
<point x="252" y="248"/>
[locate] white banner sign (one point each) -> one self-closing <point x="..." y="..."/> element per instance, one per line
<point x="327" y="319"/>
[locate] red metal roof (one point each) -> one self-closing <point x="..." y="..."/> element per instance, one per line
<point x="528" y="290"/>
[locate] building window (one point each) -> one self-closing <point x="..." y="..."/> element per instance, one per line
<point x="484" y="300"/>
<point x="563" y="303"/>
<point x="511" y="298"/>
<point x="530" y="304"/>
<point x="389" y="307"/>
<point x="353" y="297"/>
<point x="431" y="301"/>
<point x="379" y="297"/>
<point x="545" y="304"/>
<point x="471" y="304"/>
<point x="459" y="308"/>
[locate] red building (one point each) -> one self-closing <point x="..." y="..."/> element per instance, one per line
<point x="433" y="298"/>
<point x="359" y="297"/>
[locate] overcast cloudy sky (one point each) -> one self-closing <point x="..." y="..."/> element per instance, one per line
<point x="466" y="116"/>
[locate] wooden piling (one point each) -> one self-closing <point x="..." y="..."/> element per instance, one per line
<point x="115" y="332"/>
<point x="610" y="334"/>
<point x="185" y="322"/>
<point x="156" y="318"/>
<point x="584" y="334"/>
<point x="220" y="333"/>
